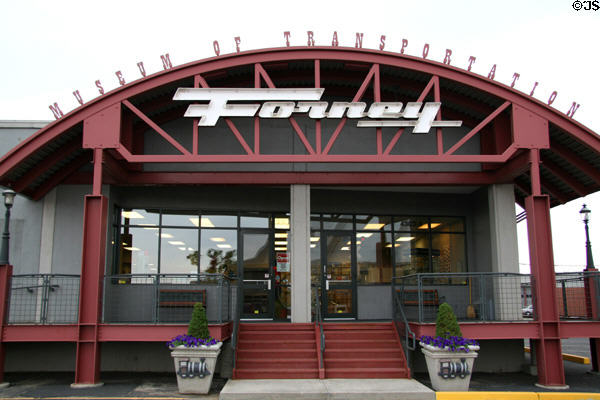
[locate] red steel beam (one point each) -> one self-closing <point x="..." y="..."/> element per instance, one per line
<point x="61" y="175"/>
<point x="40" y="333"/>
<point x="155" y="333"/>
<point x="576" y="161"/>
<point x="512" y="169"/>
<point x="571" y="181"/>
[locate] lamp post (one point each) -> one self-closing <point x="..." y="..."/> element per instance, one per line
<point x="585" y="212"/>
<point x="9" y="198"/>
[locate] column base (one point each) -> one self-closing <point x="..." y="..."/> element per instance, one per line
<point x="86" y="385"/>
<point x="552" y="387"/>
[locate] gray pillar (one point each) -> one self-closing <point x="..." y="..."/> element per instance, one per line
<point x="300" y="252"/>
<point x="503" y="227"/>
<point x="47" y="236"/>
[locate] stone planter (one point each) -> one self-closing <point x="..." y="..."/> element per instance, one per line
<point x="195" y="367"/>
<point x="449" y="371"/>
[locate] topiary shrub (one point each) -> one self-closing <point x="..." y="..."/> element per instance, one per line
<point x="198" y="327"/>
<point x="446" y="324"/>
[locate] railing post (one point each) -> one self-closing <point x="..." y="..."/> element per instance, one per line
<point x="563" y="286"/>
<point x="420" y="297"/>
<point x="5" y="281"/>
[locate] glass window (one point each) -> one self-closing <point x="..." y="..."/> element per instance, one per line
<point x="138" y="250"/>
<point x="315" y="222"/>
<point x="179" y="218"/>
<point x="374" y="257"/>
<point x="447" y="224"/>
<point x="139" y="217"/>
<point x="374" y="223"/>
<point x="179" y="251"/>
<point x="337" y="221"/>
<point x="315" y="257"/>
<point x="411" y="253"/>
<point x="254" y="220"/>
<point x="218" y="251"/>
<point x="282" y="221"/>
<point x="448" y="253"/>
<point x="408" y="224"/>
<point x="218" y="221"/>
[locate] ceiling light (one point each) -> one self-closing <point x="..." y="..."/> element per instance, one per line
<point x="181" y="248"/>
<point x="349" y="242"/>
<point x="224" y="246"/>
<point x="390" y="245"/>
<point x="373" y="226"/>
<point x="314" y="239"/>
<point x="166" y="235"/>
<point x="190" y="249"/>
<point x="312" y="246"/>
<point x="131" y="248"/>
<point x="132" y="215"/>
<point x="424" y="226"/>
<point x="405" y="238"/>
<point x="281" y="242"/>
<point x="217" y="239"/>
<point x="176" y="242"/>
<point x="282" y="223"/>
<point x="204" y="222"/>
<point x="282" y="235"/>
<point x="345" y="248"/>
<point x="150" y="227"/>
<point x="435" y="225"/>
<point x="281" y="248"/>
<point x="364" y="235"/>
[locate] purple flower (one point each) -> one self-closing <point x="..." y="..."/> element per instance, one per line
<point x="190" y="341"/>
<point x="453" y="343"/>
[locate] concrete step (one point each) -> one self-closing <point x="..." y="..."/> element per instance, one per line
<point x="364" y="373"/>
<point x="325" y="389"/>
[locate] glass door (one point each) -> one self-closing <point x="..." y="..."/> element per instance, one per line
<point x="339" y="275"/>
<point x="256" y="273"/>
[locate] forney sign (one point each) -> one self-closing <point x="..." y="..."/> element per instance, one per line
<point x="281" y="103"/>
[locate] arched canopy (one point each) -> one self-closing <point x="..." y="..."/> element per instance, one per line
<point x="512" y="129"/>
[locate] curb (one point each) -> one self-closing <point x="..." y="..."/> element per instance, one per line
<point x="515" y="395"/>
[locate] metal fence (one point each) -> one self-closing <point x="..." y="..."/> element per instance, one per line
<point x="44" y="299"/>
<point x="473" y="296"/>
<point x="167" y="298"/>
<point x="578" y="295"/>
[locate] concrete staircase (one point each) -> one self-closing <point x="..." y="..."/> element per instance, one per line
<point x="276" y="351"/>
<point x="363" y="350"/>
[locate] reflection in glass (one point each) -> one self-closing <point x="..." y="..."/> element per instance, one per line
<point x="447" y="224"/>
<point x="448" y="252"/>
<point x="373" y="222"/>
<point x="179" y="218"/>
<point x="337" y="221"/>
<point x="139" y="217"/>
<point x="315" y="258"/>
<point x="178" y="251"/>
<point x="138" y="250"/>
<point x="408" y="223"/>
<point x="283" y="298"/>
<point x="256" y="299"/>
<point x="257" y="254"/>
<point x="216" y="221"/>
<point x="254" y="220"/>
<point x="374" y="257"/>
<point x="412" y="253"/>
<point x="339" y="257"/>
<point x="218" y="251"/>
<point x="339" y="301"/>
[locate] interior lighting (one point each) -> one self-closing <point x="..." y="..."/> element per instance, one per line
<point x="203" y="222"/>
<point x="190" y="249"/>
<point x="281" y="248"/>
<point x="281" y="242"/>
<point x="283" y="235"/>
<point x="181" y="248"/>
<point x="132" y="215"/>
<point x="405" y="238"/>
<point x="176" y="242"/>
<point x="390" y="245"/>
<point x="217" y="239"/>
<point x="312" y="246"/>
<point x="166" y="235"/>
<point x="345" y="248"/>
<point x="282" y="223"/>
<point x="364" y="235"/>
<point x="131" y="248"/>
<point x="224" y="246"/>
<point x="314" y="239"/>
<point x="150" y="227"/>
<point x="374" y="226"/>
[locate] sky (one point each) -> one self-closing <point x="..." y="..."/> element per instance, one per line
<point x="48" y="49"/>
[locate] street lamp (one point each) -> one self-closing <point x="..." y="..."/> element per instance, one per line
<point x="9" y="199"/>
<point x="585" y="213"/>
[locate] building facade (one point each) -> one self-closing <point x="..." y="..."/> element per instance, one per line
<point x="293" y="186"/>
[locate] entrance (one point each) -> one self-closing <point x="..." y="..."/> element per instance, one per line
<point x="265" y="274"/>
<point x="339" y="275"/>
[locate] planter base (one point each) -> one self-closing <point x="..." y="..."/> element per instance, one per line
<point x="559" y="387"/>
<point x="449" y="371"/>
<point x="195" y="369"/>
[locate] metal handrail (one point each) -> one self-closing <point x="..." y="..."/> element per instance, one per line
<point x="408" y="333"/>
<point x="236" y="322"/>
<point x="319" y="322"/>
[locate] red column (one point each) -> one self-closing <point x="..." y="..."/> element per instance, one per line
<point x="87" y="368"/>
<point x="5" y="275"/>
<point x="548" y="348"/>
<point x="592" y="281"/>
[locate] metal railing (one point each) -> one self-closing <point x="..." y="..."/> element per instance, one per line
<point x="236" y="321"/>
<point x="402" y="326"/>
<point x="44" y="299"/>
<point x="578" y="295"/>
<point x="166" y="298"/>
<point x="475" y="296"/>
<point x="319" y="322"/>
